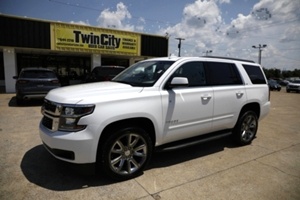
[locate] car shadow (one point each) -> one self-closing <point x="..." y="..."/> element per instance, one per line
<point x="169" y="158"/>
<point x="42" y="169"/>
<point x="28" y="103"/>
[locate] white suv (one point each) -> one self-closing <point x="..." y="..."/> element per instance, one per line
<point x="156" y="104"/>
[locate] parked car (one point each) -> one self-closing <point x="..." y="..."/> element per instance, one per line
<point x="274" y="85"/>
<point x="293" y="86"/>
<point x="283" y="82"/>
<point x="103" y="73"/>
<point x="154" y="105"/>
<point x="33" y="83"/>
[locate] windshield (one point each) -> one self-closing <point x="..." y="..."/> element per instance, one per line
<point x="144" y="73"/>
<point x="37" y="74"/>
<point x="296" y="81"/>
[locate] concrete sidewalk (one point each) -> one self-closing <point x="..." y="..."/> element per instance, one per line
<point x="269" y="168"/>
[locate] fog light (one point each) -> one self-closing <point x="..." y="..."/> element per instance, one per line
<point x="70" y="121"/>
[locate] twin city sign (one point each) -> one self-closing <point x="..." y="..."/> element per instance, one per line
<point x="96" y="40"/>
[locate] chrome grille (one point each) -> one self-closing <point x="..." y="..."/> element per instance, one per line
<point x="51" y="112"/>
<point x="47" y="122"/>
<point x="49" y="106"/>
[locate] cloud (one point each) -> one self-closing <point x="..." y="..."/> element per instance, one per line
<point x="271" y="22"/>
<point x="115" y="19"/>
<point x="81" y="22"/>
<point x="200" y="14"/>
<point x="291" y="34"/>
<point x="223" y="1"/>
<point x="198" y="26"/>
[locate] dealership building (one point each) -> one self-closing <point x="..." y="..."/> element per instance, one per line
<point x="69" y="49"/>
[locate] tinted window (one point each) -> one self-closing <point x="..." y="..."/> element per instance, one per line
<point x="223" y="74"/>
<point x="255" y="74"/>
<point x="37" y="74"/>
<point x="194" y="72"/>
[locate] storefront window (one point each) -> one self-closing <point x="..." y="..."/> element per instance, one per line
<point x="70" y="69"/>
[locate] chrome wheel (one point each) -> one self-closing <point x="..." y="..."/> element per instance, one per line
<point x="128" y="153"/>
<point x="248" y="129"/>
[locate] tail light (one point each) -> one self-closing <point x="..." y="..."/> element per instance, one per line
<point x="55" y="81"/>
<point x="22" y="81"/>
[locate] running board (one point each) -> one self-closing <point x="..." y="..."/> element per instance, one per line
<point x="193" y="141"/>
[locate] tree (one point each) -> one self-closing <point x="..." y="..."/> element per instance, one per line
<point x="278" y="74"/>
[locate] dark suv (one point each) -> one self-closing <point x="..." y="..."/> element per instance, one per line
<point x="103" y="73"/>
<point x="34" y="83"/>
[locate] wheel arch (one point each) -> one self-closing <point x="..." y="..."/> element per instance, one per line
<point x="254" y="106"/>
<point x="141" y="122"/>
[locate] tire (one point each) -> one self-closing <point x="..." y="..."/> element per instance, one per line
<point x="246" y="128"/>
<point x="288" y="91"/>
<point x="19" y="101"/>
<point x="125" y="153"/>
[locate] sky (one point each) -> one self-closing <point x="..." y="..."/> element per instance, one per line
<point x="228" y="28"/>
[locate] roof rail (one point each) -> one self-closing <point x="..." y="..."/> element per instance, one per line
<point x="228" y="58"/>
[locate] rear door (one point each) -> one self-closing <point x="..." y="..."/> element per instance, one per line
<point x="229" y="94"/>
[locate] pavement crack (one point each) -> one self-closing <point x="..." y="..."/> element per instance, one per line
<point x="278" y="169"/>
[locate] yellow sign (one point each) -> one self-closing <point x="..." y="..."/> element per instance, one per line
<point x="95" y="40"/>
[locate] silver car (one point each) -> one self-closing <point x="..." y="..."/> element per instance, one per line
<point x="293" y="86"/>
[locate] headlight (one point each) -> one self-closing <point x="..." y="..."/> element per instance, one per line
<point x="70" y="115"/>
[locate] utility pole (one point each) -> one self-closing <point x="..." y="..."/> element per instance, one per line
<point x="179" y="45"/>
<point x="259" y="47"/>
<point x="207" y="52"/>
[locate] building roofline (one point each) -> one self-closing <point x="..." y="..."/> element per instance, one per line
<point x="76" y="24"/>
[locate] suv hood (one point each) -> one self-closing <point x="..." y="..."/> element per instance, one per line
<point x="91" y="92"/>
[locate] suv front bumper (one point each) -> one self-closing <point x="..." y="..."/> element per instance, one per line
<point x="75" y="147"/>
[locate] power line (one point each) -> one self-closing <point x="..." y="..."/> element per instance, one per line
<point x="280" y="55"/>
<point x="99" y="10"/>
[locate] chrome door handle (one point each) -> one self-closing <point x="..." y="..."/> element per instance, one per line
<point x="206" y="97"/>
<point x="239" y="93"/>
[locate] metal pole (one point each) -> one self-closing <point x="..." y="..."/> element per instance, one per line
<point x="259" y="55"/>
<point x="207" y="52"/>
<point x="259" y="47"/>
<point x="179" y="45"/>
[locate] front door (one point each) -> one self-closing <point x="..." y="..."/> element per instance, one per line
<point x="188" y="110"/>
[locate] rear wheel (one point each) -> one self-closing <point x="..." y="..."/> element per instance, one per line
<point x="246" y="128"/>
<point x="19" y="101"/>
<point x="125" y="153"/>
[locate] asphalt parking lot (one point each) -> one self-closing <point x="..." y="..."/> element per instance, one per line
<point x="269" y="168"/>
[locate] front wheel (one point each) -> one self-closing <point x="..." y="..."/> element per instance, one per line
<point x="246" y="128"/>
<point x="125" y="153"/>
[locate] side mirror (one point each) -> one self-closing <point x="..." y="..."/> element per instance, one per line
<point x="15" y="77"/>
<point x="179" y="82"/>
